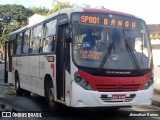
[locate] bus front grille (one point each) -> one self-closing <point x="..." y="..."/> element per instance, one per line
<point x="117" y="88"/>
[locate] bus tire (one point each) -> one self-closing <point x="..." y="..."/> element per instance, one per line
<point x="19" y="91"/>
<point x="27" y="93"/>
<point x="49" y="96"/>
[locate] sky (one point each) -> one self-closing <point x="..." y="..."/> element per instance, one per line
<point x="149" y="10"/>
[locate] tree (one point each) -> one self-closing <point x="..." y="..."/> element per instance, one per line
<point x="1" y="30"/>
<point x="12" y="17"/>
<point x="40" y="11"/>
<point x="59" y="6"/>
<point x="18" y="13"/>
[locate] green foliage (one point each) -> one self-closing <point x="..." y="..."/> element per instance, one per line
<point x="59" y="6"/>
<point x="40" y="11"/>
<point x="6" y="32"/>
<point x="86" y="6"/>
<point x="13" y="17"/>
<point x="14" y="12"/>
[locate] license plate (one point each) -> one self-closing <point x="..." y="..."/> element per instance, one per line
<point x="118" y="96"/>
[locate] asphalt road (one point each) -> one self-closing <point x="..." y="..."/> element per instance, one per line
<point x="37" y="104"/>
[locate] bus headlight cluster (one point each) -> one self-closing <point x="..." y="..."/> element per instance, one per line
<point x="148" y="84"/>
<point x="83" y="83"/>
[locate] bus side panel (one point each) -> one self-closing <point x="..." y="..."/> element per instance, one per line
<point x="24" y="75"/>
<point x="17" y="64"/>
<point x="67" y="87"/>
<point x="45" y="68"/>
<point x="67" y="82"/>
<point x="36" y="81"/>
<point x="73" y="70"/>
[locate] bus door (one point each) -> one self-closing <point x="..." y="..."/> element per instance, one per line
<point x="60" y="63"/>
<point x="8" y="62"/>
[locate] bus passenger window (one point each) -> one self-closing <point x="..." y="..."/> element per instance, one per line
<point x="48" y="45"/>
<point x="26" y="42"/>
<point x="49" y="40"/>
<point x="19" y="44"/>
<point x="35" y="43"/>
<point x="35" y="46"/>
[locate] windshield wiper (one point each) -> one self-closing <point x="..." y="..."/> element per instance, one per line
<point x="132" y="55"/>
<point x="106" y="55"/>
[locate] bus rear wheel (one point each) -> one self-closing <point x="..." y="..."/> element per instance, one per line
<point x="49" y="95"/>
<point x="20" y="91"/>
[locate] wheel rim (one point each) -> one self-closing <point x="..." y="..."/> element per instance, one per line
<point x="17" y="84"/>
<point x="51" y="97"/>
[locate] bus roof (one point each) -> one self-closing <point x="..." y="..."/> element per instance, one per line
<point x="89" y="10"/>
<point x="107" y="11"/>
<point x="72" y="10"/>
<point x="19" y="30"/>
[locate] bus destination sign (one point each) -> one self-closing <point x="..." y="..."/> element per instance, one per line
<point x="109" y="21"/>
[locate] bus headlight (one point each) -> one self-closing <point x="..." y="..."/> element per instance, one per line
<point x="83" y="83"/>
<point x="148" y="84"/>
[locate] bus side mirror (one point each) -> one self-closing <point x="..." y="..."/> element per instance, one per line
<point x="67" y="35"/>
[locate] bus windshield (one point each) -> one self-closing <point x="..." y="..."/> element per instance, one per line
<point x="108" y="41"/>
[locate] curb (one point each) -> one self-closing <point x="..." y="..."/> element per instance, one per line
<point x="156" y="103"/>
<point x="156" y="99"/>
<point x="5" y="84"/>
<point x="156" y="91"/>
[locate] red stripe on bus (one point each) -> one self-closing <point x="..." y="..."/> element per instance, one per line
<point x="52" y="67"/>
<point x="102" y="83"/>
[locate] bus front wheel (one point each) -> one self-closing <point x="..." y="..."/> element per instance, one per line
<point x="49" y="95"/>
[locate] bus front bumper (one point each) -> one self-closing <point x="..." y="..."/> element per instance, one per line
<point x="89" y="98"/>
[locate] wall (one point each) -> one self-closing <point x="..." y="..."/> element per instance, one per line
<point x="156" y="61"/>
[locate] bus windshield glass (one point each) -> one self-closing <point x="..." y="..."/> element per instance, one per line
<point x="109" y="41"/>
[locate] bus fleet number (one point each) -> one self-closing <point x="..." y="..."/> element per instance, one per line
<point x="90" y="19"/>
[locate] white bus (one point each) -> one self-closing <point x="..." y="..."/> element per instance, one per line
<point x="97" y="58"/>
